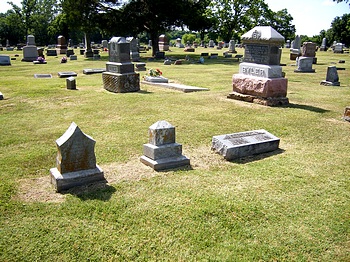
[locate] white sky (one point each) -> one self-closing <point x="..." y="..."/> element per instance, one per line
<point x="310" y="16"/>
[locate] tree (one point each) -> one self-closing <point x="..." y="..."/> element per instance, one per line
<point x="339" y="1"/>
<point x="281" y="21"/>
<point x="340" y="30"/>
<point x="237" y="16"/>
<point x="156" y="16"/>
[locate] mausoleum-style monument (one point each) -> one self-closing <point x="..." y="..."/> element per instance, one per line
<point x="76" y="161"/>
<point x="120" y="76"/>
<point x="162" y="152"/>
<point x="260" y="79"/>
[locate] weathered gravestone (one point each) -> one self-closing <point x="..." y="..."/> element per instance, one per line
<point x="104" y="44"/>
<point x="163" y="43"/>
<point x="324" y="45"/>
<point x="287" y="45"/>
<point x="307" y="58"/>
<point x="42" y="76"/>
<point x="332" y="78"/>
<point x="211" y="43"/>
<point x="162" y="152"/>
<point x="1" y="96"/>
<point x="76" y="160"/>
<point x="30" y="51"/>
<point x="51" y="52"/>
<point x="134" y="50"/>
<point x="237" y="145"/>
<point x="71" y="83"/>
<point x="295" y="48"/>
<point x="90" y="71"/>
<point x="338" y="48"/>
<point x="66" y="74"/>
<point x="232" y="47"/>
<point x="120" y="76"/>
<point x="61" y="46"/>
<point x="5" y="60"/>
<point x="260" y="79"/>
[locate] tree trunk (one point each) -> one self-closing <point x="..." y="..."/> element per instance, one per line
<point x="88" y="50"/>
<point x="155" y="40"/>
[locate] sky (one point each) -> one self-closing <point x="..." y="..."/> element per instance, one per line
<point x="310" y="16"/>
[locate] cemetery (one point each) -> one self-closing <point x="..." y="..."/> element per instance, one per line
<point x="123" y="168"/>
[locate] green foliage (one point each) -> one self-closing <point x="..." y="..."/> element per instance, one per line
<point x="188" y="38"/>
<point x="340" y="30"/>
<point x="281" y="21"/>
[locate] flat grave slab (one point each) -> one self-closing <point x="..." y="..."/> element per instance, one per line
<point x="90" y="71"/>
<point x="242" y="144"/>
<point x="178" y="87"/>
<point x="66" y="74"/>
<point x="42" y="76"/>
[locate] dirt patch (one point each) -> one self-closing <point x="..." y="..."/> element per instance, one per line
<point x="41" y="190"/>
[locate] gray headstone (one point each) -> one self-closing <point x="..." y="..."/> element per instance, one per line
<point x="30" y="51"/>
<point x="71" y="83"/>
<point x="324" y="45"/>
<point x="332" y="78"/>
<point x="66" y="74"/>
<point x="90" y="71"/>
<point x="76" y="160"/>
<point x="237" y="145"/>
<point x="304" y="65"/>
<point x="30" y="40"/>
<point x="232" y="46"/>
<point x="162" y="152"/>
<point x="5" y="60"/>
<point x="42" y="76"/>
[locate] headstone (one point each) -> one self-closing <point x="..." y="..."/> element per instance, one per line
<point x="104" y="44"/>
<point x="42" y="76"/>
<point x="189" y="49"/>
<point x="260" y="79"/>
<point x="307" y="58"/>
<point x="1" y="96"/>
<point x="287" y="45"/>
<point x="5" y="60"/>
<point x="238" y="145"/>
<point x="71" y="83"/>
<point x="162" y="152"/>
<point x="332" y="78"/>
<point x="134" y="50"/>
<point x="93" y="71"/>
<point x="211" y="43"/>
<point x="120" y="76"/>
<point x="338" y="48"/>
<point x="61" y="46"/>
<point x="7" y="43"/>
<point x="295" y="49"/>
<point x="179" y="44"/>
<point x="30" y="51"/>
<point x="232" y="47"/>
<point x="66" y="74"/>
<point x="160" y="55"/>
<point x="163" y="43"/>
<point x="69" y="52"/>
<point x="51" y="52"/>
<point x="178" y="62"/>
<point x="346" y="116"/>
<point x="149" y="43"/>
<point x="167" y="62"/>
<point x="73" y="57"/>
<point x="213" y="55"/>
<point x="140" y="66"/>
<point x="76" y="160"/>
<point x="324" y="45"/>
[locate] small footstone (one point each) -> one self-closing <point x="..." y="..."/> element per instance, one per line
<point x="66" y="74"/>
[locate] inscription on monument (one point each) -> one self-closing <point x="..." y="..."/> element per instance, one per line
<point x="256" y="54"/>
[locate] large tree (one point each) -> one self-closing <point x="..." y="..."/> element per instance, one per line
<point x="281" y="21"/>
<point x="340" y="30"/>
<point x="157" y="16"/>
<point x="236" y="16"/>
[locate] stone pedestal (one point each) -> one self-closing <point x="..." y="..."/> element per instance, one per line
<point x="162" y="152"/>
<point x="121" y="83"/>
<point x="163" y="43"/>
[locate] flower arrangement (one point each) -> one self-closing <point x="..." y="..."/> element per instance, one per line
<point x="41" y="59"/>
<point x="64" y="60"/>
<point x="154" y="72"/>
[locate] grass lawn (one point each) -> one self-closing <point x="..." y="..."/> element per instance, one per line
<point x="288" y="205"/>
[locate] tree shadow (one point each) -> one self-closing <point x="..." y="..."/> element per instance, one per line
<point x="307" y="107"/>
<point x="248" y="159"/>
<point x="94" y="191"/>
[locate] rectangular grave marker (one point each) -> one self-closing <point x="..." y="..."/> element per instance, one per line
<point x="237" y="145"/>
<point x="42" y="76"/>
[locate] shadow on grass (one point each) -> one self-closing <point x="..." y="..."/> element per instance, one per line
<point x="180" y="168"/>
<point x="96" y="191"/>
<point x="258" y="157"/>
<point x="307" y="107"/>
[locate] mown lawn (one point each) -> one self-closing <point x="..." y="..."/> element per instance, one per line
<point x="288" y="205"/>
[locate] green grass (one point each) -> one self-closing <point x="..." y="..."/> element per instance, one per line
<point x="289" y="205"/>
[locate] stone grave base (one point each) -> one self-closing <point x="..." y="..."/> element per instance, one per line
<point x="165" y="163"/>
<point x="259" y="86"/>
<point x="237" y="145"/>
<point x="269" y="101"/>
<point x="73" y="179"/>
<point x="121" y="83"/>
<point x="328" y="83"/>
<point x="90" y="71"/>
<point x="29" y="59"/>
